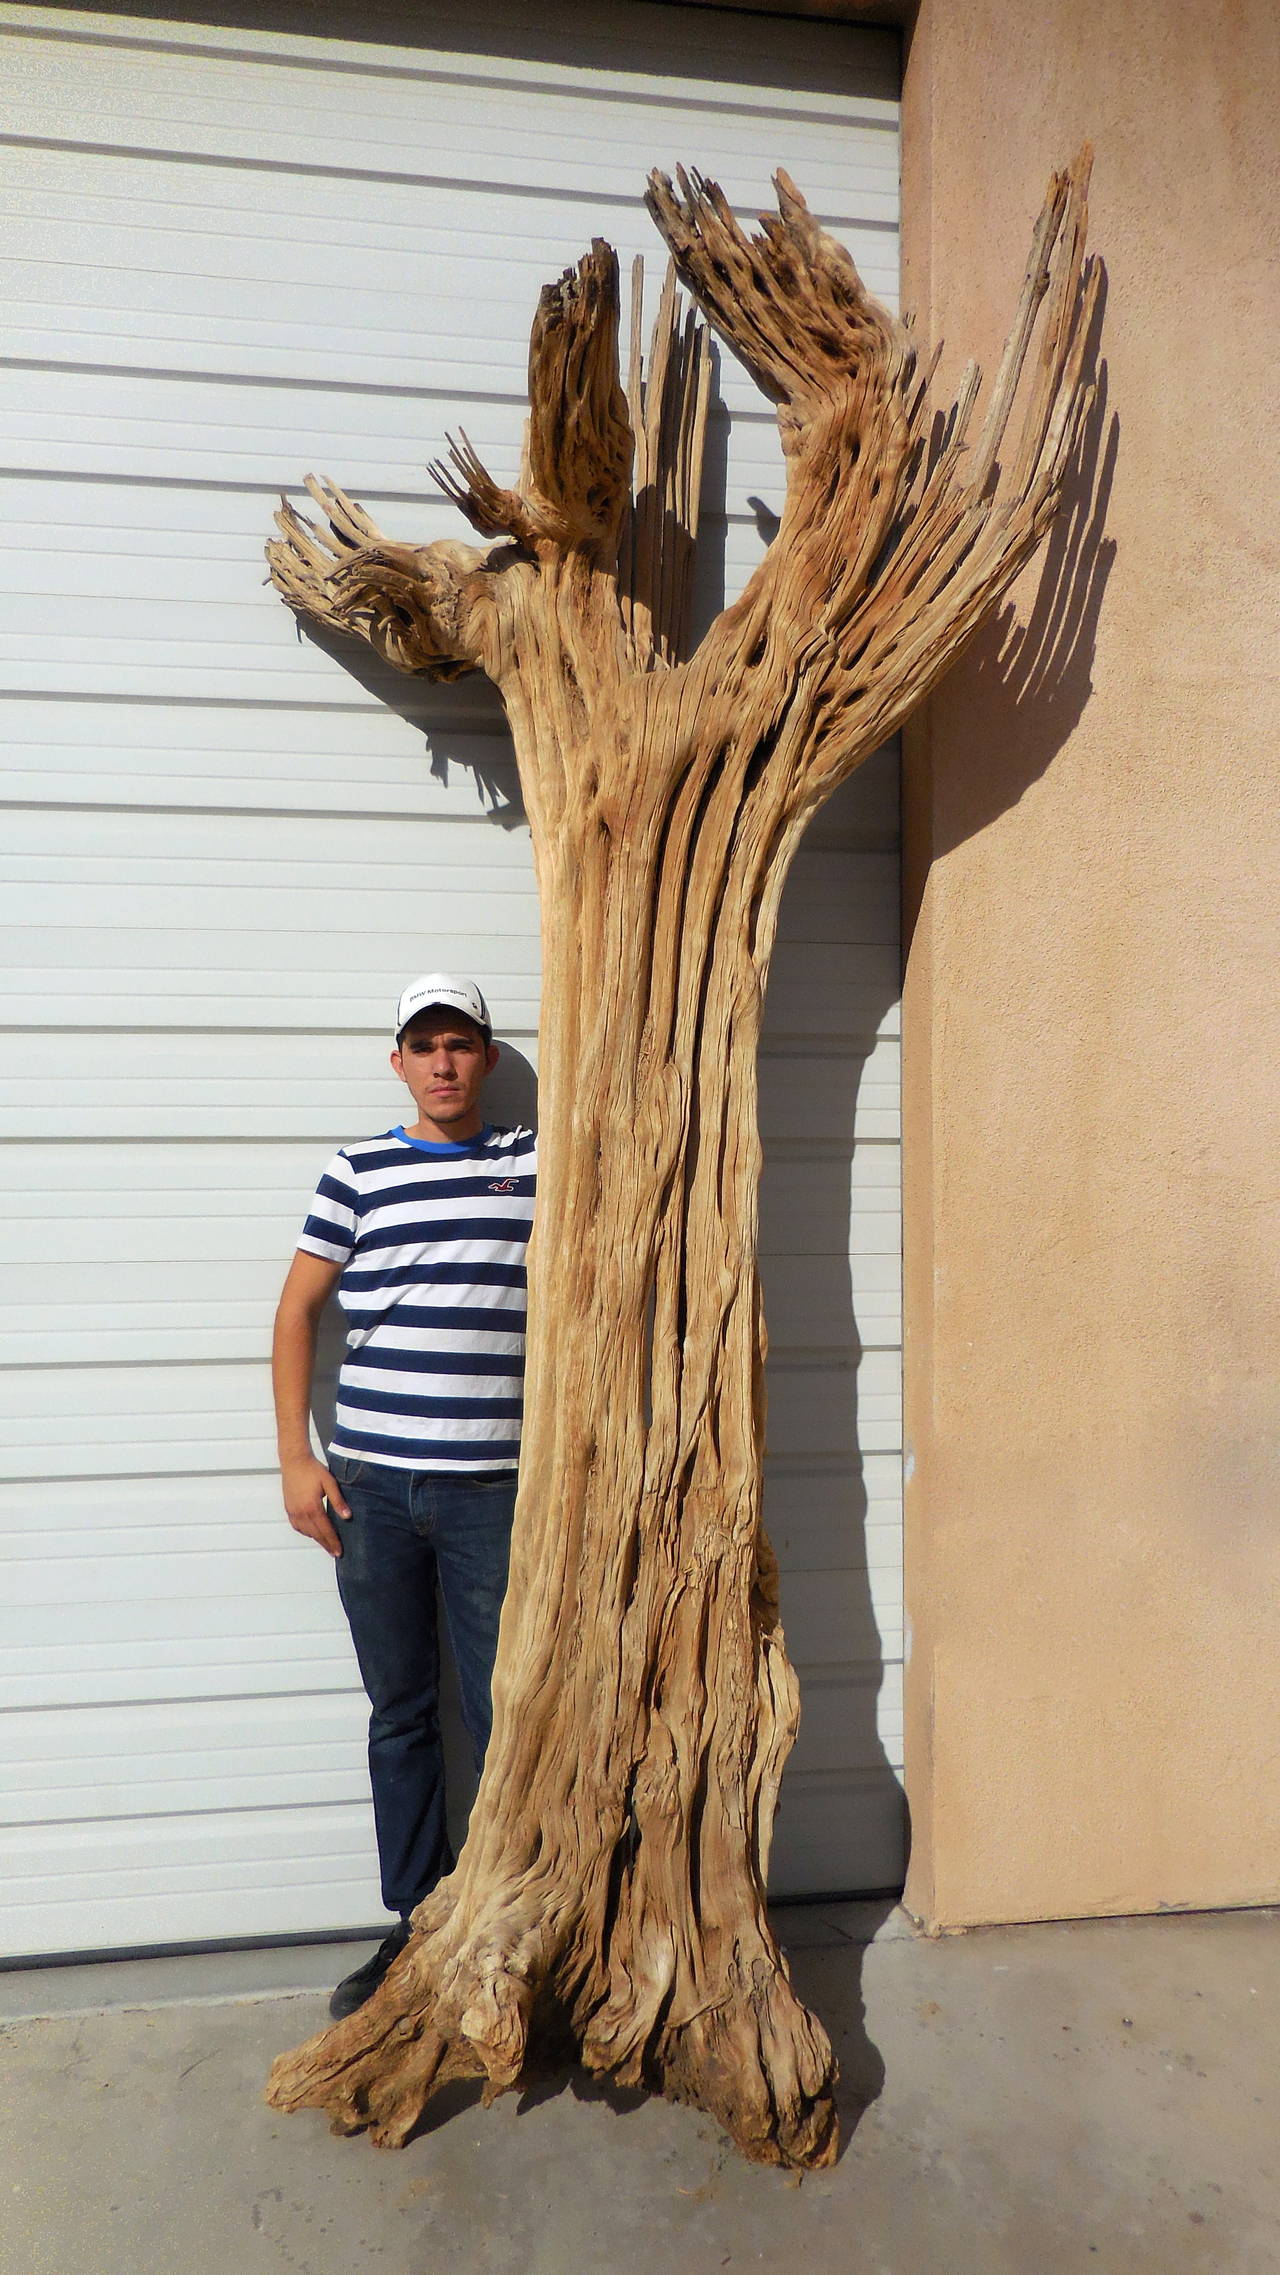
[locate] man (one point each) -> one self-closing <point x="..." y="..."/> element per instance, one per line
<point x="423" y="1231"/>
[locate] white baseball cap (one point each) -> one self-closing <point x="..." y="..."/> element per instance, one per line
<point x="443" y="990"/>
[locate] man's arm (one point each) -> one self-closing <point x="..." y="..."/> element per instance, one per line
<point x="306" y="1482"/>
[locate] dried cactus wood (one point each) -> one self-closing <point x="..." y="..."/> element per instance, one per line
<point x="610" y="1901"/>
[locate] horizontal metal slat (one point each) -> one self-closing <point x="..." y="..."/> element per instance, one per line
<point x="573" y="45"/>
<point x="133" y="1881"/>
<point x="105" y="1670"/>
<point x="837" y="1833"/>
<point x="167" y="1760"/>
<point x="396" y="123"/>
<point x="819" y="1508"/>
<point x="120" y="1397"/>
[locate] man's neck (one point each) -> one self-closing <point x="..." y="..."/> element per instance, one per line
<point x="445" y="1133"/>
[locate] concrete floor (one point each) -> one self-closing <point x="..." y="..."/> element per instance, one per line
<point x="1021" y="2101"/>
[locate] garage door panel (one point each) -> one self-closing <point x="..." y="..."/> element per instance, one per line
<point x="255" y="1624"/>
<point x="848" y="1722"/>
<point x="230" y="850"/>
<point x="838" y="1096"/>
<point x="170" y="978"/>
<point x="156" y="902"/>
<point x="838" y="1831"/>
<point x="460" y="120"/>
<point x="126" y="1447"/>
<point x="105" y="1572"/>
<point x="841" y="1615"/>
<point x="238" y="759"/>
<point x="183" y="195"/>
<point x="100" y="1671"/>
<point x="842" y="1519"/>
<point x="188" y="1879"/>
<point x="836" y="1409"/>
<point x="52" y="1512"/>
<point x="174" y="1759"/>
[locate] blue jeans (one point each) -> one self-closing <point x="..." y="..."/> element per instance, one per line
<point x="408" y="1531"/>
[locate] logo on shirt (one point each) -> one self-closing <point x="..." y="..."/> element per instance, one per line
<point x="504" y="1185"/>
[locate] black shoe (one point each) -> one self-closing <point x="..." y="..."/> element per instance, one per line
<point x="361" y="1984"/>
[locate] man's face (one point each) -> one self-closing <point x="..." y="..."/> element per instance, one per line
<point x="443" y="1059"/>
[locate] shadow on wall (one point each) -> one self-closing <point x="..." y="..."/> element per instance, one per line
<point x="1022" y="687"/>
<point x="832" y="1471"/>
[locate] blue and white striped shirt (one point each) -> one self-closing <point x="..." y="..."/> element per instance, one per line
<point x="432" y="1241"/>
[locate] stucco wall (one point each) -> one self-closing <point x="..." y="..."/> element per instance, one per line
<point x="1091" y="1011"/>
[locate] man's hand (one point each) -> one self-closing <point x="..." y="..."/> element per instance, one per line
<point x="307" y="1483"/>
<point x="307" y="1486"/>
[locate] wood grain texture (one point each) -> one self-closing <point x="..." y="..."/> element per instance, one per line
<point x="609" y="1905"/>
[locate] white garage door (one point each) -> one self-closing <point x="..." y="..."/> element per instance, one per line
<point x="230" y="255"/>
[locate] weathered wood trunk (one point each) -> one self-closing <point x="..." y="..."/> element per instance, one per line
<point x="609" y="1903"/>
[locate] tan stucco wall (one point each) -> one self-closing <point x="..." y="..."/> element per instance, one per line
<point x="1091" y="1058"/>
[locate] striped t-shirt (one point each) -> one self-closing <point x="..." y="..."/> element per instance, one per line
<point x="432" y="1241"/>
